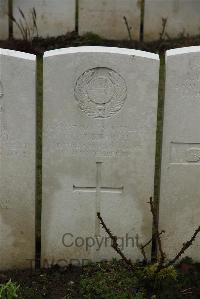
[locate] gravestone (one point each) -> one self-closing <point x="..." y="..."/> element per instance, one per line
<point x="106" y="18"/>
<point x="182" y="18"/>
<point x="3" y="19"/>
<point x="100" y="107"/>
<point x="17" y="159"/>
<point x="54" y="18"/>
<point x="180" y="190"/>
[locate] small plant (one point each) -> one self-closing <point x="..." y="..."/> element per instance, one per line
<point x="125" y="280"/>
<point x="8" y="290"/>
<point x="92" y="39"/>
<point x="163" y="32"/>
<point x="113" y="280"/>
<point x="27" y="26"/>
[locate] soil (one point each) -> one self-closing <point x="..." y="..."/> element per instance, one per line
<point x="54" y="283"/>
<point x="39" y="45"/>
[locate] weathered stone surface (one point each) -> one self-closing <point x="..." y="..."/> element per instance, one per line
<point x="54" y="18"/>
<point x="17" y="159"/>
<point x="105" y="18"/>
<point x="180" y="188"/>
<point x="100" y="107"/>
<point x="3" y="19"/>
<point x="182" y="18"/>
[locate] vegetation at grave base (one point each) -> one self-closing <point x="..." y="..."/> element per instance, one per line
<point x="108" y="280"/>
<point x="125" y="280"/>
<point x="8" y="290"/>
<point x="93" y="39"/>
<point x="113" y="280"/>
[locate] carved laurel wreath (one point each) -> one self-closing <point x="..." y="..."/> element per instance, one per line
<point x="88" y="104"/>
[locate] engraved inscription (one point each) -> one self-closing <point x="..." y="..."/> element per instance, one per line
<point x="1" y="90"/>
<point x="185" y="153"/>
<point x="100" y="92"/>
<point x="193" y="155"/>
<point x="4" y="204"/>
<point x="73" y="140"/>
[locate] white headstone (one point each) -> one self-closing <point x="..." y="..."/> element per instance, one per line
<point x="54" y="18"/>
<point x="3" y="19"/>
<point x="106" y="18"/>
<point x="17" y="159"/>
<point x="182" y="18"/>
<point x="100" y="107"/>
<point x="180" y="188"/>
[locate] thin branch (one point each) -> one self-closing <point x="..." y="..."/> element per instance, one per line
<point x="114" y="243"/>
<point x="164" y="24"/>
<point x="128" y="28"/>
<point x="184" y="248"/>
<point x="144" y="254"/>
<point x="142" y="247"/>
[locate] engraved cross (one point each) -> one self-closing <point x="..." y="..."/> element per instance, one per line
<point x="98" y="190"/>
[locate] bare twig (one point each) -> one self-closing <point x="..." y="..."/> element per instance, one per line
<point x="164" y="24"/>
<point x="142" y="247"/>
<point x="114" y="243"/>
<point x="144" y="254"/>
<point x="34" y="18"/>
<point x="128" y="28"/>
<point x="184" y="248"/>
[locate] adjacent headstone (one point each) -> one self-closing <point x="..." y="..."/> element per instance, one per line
<point x="100" y="107"/>
<point x="17" y="159"/>
<point x="182" y="16"/>
<point x="53" y="18"/>
<point x="3" y="19"/>
<point x="180" y="188"/>
<point x="106" y="18"/>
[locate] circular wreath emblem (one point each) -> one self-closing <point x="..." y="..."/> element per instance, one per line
<point x="100" y="92"/>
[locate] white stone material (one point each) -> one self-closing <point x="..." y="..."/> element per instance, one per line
<point x="105" y="18"/>
<point x="54" y="18"/>
<point x="100" y="107"/>
<point x="17" y="159"/>
<point x="180" y="188"/>
<point x="3" y="19"/>
<point x="183" y="18"/>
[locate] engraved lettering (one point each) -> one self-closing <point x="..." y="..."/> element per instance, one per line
<point x="1" y="90"/>
<point x="193" y="155"/>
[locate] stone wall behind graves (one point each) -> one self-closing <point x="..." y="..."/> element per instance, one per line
<point x="182" y="18"/>
<point x="53" y="18"/>
<point x="4" y="19"/>
<point x="106" y="18"/>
